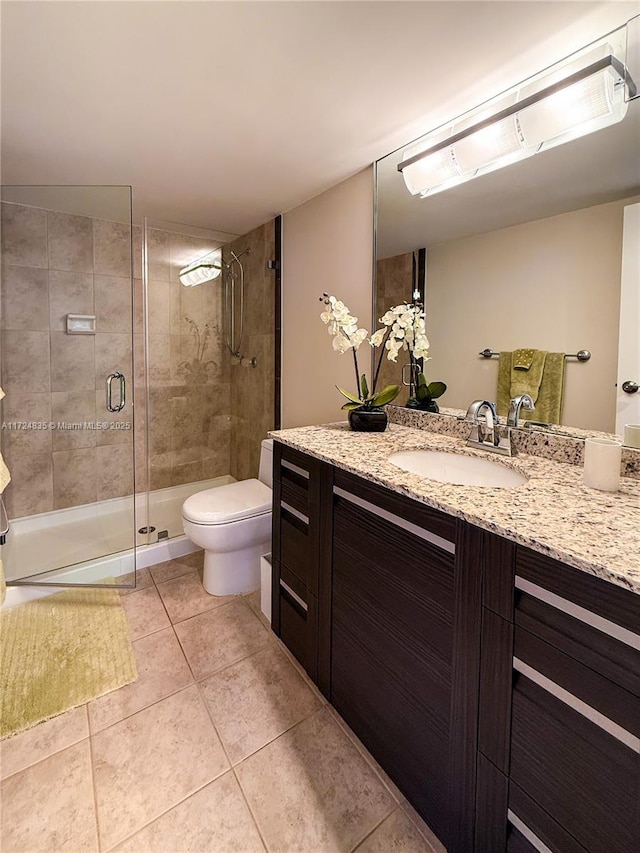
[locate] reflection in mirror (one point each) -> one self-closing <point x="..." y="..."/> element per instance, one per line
<point x="528" y="257"/>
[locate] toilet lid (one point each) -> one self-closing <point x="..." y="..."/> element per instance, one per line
<point x="232" y="502"/>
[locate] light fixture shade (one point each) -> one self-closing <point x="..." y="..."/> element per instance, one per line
<point x="583" y="94"/>
<point x="439" y="168"/>
<point x="204" y="269"/>
<point x="486" y="146"/>
<point x="590" y="104"/>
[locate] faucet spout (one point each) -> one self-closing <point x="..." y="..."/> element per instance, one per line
<point x="522" y="401"/>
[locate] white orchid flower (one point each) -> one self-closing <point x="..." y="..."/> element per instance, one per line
<point x="377" y="337"/>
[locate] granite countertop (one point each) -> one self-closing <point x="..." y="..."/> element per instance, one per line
<point x="553" y="513"/>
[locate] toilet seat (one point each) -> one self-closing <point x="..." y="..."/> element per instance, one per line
<point x="225" y="504"/>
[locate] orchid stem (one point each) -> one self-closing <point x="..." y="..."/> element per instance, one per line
<point x="377" y="373"/>
<point x="355" y="364"/>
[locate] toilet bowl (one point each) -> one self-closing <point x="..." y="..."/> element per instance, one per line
<point x="232" y="524"/>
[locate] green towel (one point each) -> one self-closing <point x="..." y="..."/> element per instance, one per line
<point x="504" y="384"/>
<point x="528" y="381"/>
<point x="549" y="394"/>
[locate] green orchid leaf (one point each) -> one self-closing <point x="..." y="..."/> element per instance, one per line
<point x="364" y="388"/>
<point x="349" y="407"/>
<point x="388" y="393"/>
<point x="437" y="389"/>
<point x="422" y="380"/>
<point x="349" y="396"/>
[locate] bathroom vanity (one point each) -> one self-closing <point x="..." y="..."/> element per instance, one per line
<point x="484" y="644"/>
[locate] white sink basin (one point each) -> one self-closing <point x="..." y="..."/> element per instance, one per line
<point x="457" y="469"/>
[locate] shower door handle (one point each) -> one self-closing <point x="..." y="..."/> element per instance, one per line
<point x="118" y="406"/>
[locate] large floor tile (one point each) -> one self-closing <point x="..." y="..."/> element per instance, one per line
<point x="185" y="596"/>
<point x="43" y="740"/>
<point x="311" y="789"/>
<point x="162" y="670"/>
<point x="142" y="578"/>
<point x="148" y="763"/>
<point x="396" y="833"/>
<point x="220" y="637"/>
<point x="214" y="819"/>
<point x="49" y="806"/>
<point x="255" y="700"/>
<point x="174" y="568"/>
<point x="145" y="612"/>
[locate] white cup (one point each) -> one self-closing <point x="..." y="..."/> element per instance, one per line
<point x="632" y="435"/>
<point x="602" y="458"/>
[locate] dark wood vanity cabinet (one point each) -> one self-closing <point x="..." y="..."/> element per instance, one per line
<point x="559" y="715"/>
<point x="498" y="688"/>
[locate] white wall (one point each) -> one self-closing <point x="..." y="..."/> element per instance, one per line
<point x="327" y="246"/>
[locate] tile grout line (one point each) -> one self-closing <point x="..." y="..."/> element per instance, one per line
<point x="232" y="768"/>
<point x="375" y="828"/>
<point x="93" y="784"/>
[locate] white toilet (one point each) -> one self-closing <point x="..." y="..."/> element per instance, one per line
<point x="233" y="525"/>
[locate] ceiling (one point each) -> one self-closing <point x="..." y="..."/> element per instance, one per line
<point x="222" y="114"/>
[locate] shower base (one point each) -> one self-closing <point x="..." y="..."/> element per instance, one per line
<point x="89" y="543"/>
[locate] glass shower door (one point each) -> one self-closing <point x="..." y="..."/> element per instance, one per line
<point x="70" y="313"/>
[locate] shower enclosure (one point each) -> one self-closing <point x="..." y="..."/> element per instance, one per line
<point x="69" y="432"/>
<point x="211" y="361"/>
<point x="126" y="390"/>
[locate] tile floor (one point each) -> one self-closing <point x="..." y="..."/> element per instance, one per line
<point x="223" y="744"/>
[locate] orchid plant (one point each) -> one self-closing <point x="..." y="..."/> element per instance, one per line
<point x="403" y="328"/>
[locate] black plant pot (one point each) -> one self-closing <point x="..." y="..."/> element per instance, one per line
<point x="431" y="406"/>
<point x="366" y="419"/>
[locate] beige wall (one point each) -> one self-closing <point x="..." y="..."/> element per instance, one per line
<point x="551" y="284"/>
<point x="327" y="246"/>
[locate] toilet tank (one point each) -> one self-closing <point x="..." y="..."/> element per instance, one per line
<point x="265" y="474"/>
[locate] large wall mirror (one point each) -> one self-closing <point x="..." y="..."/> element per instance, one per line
<point x="528" y="256"/>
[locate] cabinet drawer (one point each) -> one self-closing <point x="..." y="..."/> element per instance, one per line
<point x="295" y="490"/>
<point x="598" y="644"/>
<point x="297" y="621"/>
<point x="582" y="776"/>
<point x="295" y="550"/>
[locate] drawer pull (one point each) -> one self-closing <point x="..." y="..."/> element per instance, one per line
<point x="296" y="598"/>
<point x="295" y="468"/>
<point x="578" y="705"/>
<point x="432" y="538"/>
<point x="295" y="512"/>
<point x="605" y="625"/>
<point x="531" y="837"/>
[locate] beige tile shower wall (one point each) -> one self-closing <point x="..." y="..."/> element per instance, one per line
<point x="54" y="264"/>
<point x="552" y="284"/>
<point x="252" y="389"/>
<point x="189" y="395"/>
<point x="394" y="284"/>
<point x="327" y="246"/>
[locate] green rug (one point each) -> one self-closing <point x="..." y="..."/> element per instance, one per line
<point x="59" y="652"/>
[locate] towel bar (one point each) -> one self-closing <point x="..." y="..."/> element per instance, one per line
<point x="581" y="355"/>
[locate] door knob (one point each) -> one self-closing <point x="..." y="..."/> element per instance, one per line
<point x="630" y="387"/>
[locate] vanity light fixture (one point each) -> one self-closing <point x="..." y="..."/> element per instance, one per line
<point x="572" y="99"/>
<point x="204" y="269"/>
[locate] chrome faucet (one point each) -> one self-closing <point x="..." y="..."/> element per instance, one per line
<point x="486" y="430"/>
<point x="523" y="401"/>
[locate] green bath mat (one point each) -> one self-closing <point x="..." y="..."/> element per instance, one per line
<point x="59" y="652"/>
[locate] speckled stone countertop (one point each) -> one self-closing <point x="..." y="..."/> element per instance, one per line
<point x="553" y="513"/>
